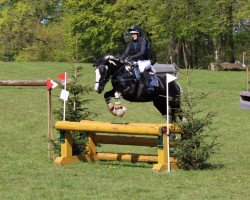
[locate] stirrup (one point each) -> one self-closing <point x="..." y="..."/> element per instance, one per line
<point x="150" y="89"/>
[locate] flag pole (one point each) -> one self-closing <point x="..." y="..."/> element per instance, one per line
<point x="50" y="85"/>
<point x="49" y="122"/>
<point x="169" y="78"/>
<point x="167" y="94"/>
<point x="64" y="100"/>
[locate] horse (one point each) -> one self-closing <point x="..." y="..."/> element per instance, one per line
<point x="126" y="85"/>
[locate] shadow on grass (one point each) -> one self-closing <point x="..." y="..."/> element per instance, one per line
<point x="210" y="166"/>
<point x="127" y="164"/>
<point x="207" y="166"/>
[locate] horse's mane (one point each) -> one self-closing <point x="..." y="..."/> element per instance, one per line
<point x="105" y="58"/>
<point x="111" y="57"/>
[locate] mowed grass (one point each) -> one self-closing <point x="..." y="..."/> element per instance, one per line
<point x="27" y="173"/>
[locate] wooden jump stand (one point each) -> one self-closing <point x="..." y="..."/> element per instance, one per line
<point x="109" y="133"/>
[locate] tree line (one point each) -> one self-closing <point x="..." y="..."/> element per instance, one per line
<point x="187" y="32"/>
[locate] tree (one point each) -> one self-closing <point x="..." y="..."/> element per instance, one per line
<point x="21" y="25"/>
<point x="188" y="31"/>
<point x="102" y="23"/>
<point x="180" y="28"/>
<point x="87" y="18"/>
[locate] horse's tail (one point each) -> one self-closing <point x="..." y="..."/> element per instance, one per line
<point x="180" y="88"/>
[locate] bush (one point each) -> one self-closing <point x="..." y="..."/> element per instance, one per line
<point x="197" y="142"/>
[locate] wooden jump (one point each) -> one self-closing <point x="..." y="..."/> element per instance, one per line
<point x="139" y="134"/>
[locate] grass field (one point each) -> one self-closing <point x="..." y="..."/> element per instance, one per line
<point x="27" y="173"/>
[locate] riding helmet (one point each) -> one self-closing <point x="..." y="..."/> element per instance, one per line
<point x="135" y="29"/>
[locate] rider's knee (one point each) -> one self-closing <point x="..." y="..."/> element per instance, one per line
<point x="144" y="65"/>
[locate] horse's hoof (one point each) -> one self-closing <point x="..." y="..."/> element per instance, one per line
<point x="110" y="107"/>
<point x="172" y="135"/>
<point x="120" y="112"/>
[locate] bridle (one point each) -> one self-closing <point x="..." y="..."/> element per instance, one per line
<point x="105" y="79"/>
<point x="105" y="75"/>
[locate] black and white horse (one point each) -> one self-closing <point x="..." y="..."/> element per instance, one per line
<point x="125" y="84"/>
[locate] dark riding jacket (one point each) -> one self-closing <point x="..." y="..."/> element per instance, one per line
<point x="137" y="50"/>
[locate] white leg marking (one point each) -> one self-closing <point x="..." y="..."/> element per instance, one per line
<point x="117" y="95"/>
<point x="97" y="79"/>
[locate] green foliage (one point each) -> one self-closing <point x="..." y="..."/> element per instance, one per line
<point x="49" y="43"/>
<point x="197" y="142"/>
<point x="20" y="29"/>
<point x="188" y="31"/>
<point x="87" y="18"/>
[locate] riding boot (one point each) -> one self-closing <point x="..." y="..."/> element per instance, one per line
<point x="150" y="88"/>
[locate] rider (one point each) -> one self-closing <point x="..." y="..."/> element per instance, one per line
<point x="137" y="51"/>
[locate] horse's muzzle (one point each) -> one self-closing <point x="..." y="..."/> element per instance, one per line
<point x="99" y="90"/>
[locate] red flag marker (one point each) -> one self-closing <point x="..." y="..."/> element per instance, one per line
<point x="62" y="76"/>
<point x="50" y="84"/>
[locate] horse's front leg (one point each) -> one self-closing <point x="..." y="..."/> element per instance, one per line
<point x="107" y="96"/>
<point x="117" y="109"/>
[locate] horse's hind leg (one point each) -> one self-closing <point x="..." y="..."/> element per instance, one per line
<point x="175" y="109"/>
<point x="160" y="104"/>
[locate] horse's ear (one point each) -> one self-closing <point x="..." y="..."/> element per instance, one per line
<point x="97" y="62"/>
<point x="112" y="62"/>
<point x="94" y="62"/>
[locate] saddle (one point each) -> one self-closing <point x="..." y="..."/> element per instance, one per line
<point x="148" y="74"/>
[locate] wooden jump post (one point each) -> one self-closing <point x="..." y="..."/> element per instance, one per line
<point x="139" y="134"/>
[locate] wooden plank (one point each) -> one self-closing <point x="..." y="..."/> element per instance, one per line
<point x="126" y="140"/>
<point x="109" y="128"/>
<point x="174" y="128"/>
<point x="22" y="82"/>
<point x="25" y="82"/>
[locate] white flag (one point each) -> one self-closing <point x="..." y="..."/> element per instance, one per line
<point x="64" y="95"/>
<point x="51" y="84"/>
<point x="54" y="84"/>
<point x="170" y="78"/>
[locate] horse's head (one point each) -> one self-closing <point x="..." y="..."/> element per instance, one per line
<point x="104" y="69"/>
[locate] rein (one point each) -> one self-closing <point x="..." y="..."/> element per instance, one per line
<point x="111" y="76"/>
